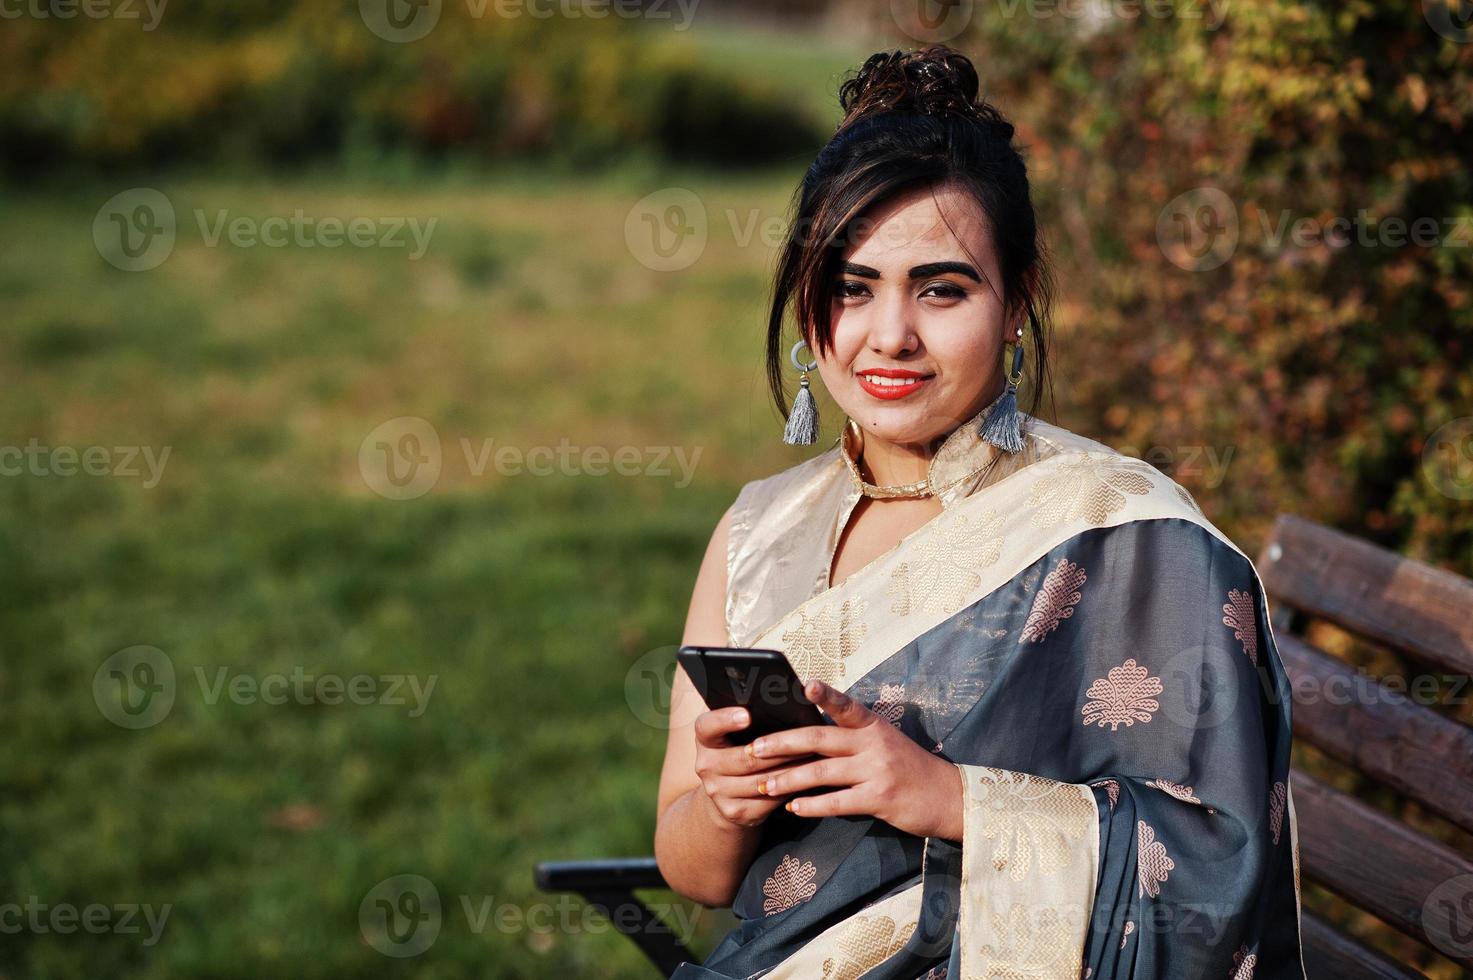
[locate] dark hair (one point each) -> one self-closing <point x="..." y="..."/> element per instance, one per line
<point x="910" y="120"/>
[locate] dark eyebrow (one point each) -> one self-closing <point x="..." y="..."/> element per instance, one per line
<point x="917" y="272"/>
<point x="938" y="268"/>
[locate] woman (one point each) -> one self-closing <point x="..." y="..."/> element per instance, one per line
<point x="1062" y="728"/>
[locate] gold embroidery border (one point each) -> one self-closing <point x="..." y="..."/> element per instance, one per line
<point x="903" y="908"/>
<point x="1060" y="890"/>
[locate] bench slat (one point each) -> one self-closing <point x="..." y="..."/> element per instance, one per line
<point x="1332" y="955"/>
<point x="1379" y="594"/>
<point x="1412" y="749"/>
<point x="1374" y="862"/>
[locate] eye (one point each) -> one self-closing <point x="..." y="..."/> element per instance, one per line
<point x="847" y="288"/>
<point x="944" y="290"/>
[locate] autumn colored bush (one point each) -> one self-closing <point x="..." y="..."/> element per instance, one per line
<point x="1317" y="365"/>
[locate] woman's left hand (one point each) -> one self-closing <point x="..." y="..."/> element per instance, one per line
<point x="877" y="769"/>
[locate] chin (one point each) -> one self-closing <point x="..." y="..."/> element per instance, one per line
<point x="900" y="423"/>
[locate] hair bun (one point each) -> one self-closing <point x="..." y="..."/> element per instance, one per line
<point x="935" y="80"/>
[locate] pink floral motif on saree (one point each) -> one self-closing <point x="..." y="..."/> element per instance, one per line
<point x="1112" y="790"/>
<point x="1153" y="864"/>
<point x="1123" y="697"/>
<point x="791" y="883"/>
<point x="891" y="703"/>
<point x="1277" y="798"/>
<point x="1055" y="601"/>
<point x="1237" y="612"/>
<point x="1183" y="793"/>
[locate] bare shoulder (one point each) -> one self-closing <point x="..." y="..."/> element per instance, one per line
<point x="706" y="623"/>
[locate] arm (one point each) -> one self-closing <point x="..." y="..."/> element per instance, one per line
<point x="702" y="854"/>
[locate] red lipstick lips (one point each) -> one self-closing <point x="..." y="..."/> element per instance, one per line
<point x="897" y="383"/>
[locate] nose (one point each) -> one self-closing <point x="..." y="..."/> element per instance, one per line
<point x="892" y="330"/>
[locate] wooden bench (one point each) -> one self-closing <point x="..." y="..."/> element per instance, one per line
<point x="1379" y="864"/>
<point x="1377" y="727"/>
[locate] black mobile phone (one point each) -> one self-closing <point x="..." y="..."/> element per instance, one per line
<point x="762" y="681"/>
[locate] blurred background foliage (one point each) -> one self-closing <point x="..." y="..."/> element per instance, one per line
<point x="1325" y="368"/>
<point x="266" y="84"/>
<point x="1316" y="374"/>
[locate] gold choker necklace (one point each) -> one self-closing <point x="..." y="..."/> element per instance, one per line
<point x="920" y="488"/>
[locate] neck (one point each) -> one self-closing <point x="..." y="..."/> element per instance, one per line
<point x="890" y="463"/>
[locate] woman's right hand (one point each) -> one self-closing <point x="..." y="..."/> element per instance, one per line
<point x="729" y="777"/>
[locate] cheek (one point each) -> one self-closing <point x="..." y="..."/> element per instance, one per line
<point x="849" y="337"/>
<point x="963" y="352"/>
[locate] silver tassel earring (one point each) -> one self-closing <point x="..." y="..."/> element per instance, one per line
<point x="802" y="427"/>
<point x="1002" y="425"/>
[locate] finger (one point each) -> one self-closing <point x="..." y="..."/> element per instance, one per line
<point x="738" y="787"/>
<point x="835" y="772"/>
<point x="737" y="761"/>
<point x="769" y="747"/>
<point x="763" y="781"/>
<point x="759" y="781"/>
<point x="712" y="726"/>
<point x="844" y="802"/>
<point x="820" y="739"/>
<point x="847" y="712"/>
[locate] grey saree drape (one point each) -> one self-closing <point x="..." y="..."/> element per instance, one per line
<point x="1095" y="657"/>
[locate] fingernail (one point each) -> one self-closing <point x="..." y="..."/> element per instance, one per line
<point x="748" y="749"/>
<point x="742" y="718"/>
<point x="762" y="787"/>
<point x="790" y="807"/>
<point x="758" y="746"/>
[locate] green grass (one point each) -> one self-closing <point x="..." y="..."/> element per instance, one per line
<point x="263" y="550"/>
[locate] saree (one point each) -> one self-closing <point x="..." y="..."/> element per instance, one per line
<point x="1096" y="659"/>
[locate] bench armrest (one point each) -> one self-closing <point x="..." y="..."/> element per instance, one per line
<point x="608" y="884"/>
<point x="599" y="874"/>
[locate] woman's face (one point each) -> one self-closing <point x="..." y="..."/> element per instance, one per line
<point x="921" y="302"/>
